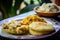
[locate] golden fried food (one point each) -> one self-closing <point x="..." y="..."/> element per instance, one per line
<point x="9" y="30"/>
<point x="23" y="29"/>
<point x="32" y="18"/>
<point x="15" y="27"/>
<point x="40" y="28"/>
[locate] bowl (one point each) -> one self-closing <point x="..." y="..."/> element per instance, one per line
<point x="46" y="14"/>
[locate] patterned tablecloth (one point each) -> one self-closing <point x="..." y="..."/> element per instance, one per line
<point x="54" y="37"/>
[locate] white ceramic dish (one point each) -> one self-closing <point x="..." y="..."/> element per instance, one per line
<point x="48" y="20"/>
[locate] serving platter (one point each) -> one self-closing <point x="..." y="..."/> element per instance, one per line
<point x="55" y="23"/>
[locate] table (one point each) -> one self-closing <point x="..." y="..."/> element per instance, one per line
<point x="53" y="37"/>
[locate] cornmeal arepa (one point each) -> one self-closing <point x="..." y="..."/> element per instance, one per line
<point x="40" y="28"/>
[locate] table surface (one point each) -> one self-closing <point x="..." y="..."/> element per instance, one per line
<point x="53" y="37"/>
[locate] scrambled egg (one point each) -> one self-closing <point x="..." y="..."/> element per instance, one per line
<point x="32" y="18"/>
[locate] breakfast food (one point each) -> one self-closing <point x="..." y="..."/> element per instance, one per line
<point x="15" y="27"/>
<point x="23" y="29"/>
<point x="32" y="18"/>
<point x="37" y="33"/>
<point x="48" y="8"/>
<point x="40" y="28"/>
<point x="32" y="24"/>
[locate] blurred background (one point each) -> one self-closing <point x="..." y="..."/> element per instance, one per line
<point x="10" y="8"/>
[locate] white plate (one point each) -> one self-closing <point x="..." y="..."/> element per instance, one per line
<point x="55" y="23"/>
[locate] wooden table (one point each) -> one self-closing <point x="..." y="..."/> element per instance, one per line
<point x="53" y="37"/>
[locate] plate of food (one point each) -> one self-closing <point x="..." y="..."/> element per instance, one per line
<point x="30" y="27"/>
